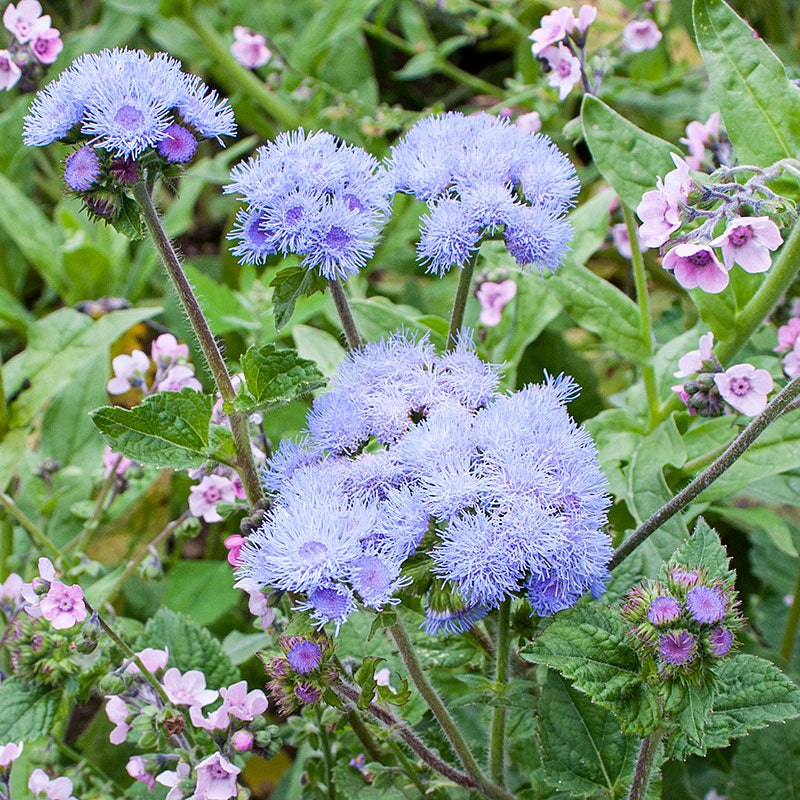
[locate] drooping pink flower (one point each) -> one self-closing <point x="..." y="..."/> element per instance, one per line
<point x="203" y="497"/>
<point x="240" y="703"/>
<point x="493" y="298"/>
<point x="24" y="19"/>
<point x="641" y="34"/>
<point x="152" y="659"/>
<point x="747" y="241"/>
<point x="129" y="370"/>
<point x="238" y="487"/>
<point x="678" y="182"/>
<point x="172" y="778"/>
<point x="745" y="388"/>
<point x="257" y="603"/>
<point x="46" y="45"/>
<point x="243" y="741"/>
<point x="216" y="779"/>
<point x="54" y="789"/>
<point x="235" y="542"/>
<point x="250" y="48"/>
<point x="787" y="335"/>
<point x="660" y="216"/>
<point x="8" y="753"/>
<point x="553" y="27"/>
<point x="530" y="122"/>
<point x="180" y="377"/>
<point x="63" y="605"/>
<point x="586" y="16"/>
<point x="565" y="69"/>
<point x="791" y="362"/>
<point x="692" y="362"/>
<point x="11" y="589"/>
<point x="9" y="71"/>
<point x="216" y="721"/>
<point x="117" y="712"/>
<point x="188" y="689"/>
<point x="165" y="352"/>
<point x="696" y="265"/>
<point x="136" y="768"/>
<point x="697" y="137"/>
<point x="110" y="459"/>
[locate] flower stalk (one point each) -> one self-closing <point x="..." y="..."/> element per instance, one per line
<point x="345" y="315"/>
<point x="460" y="300"/>
<point x="642" y="772"/>
<point x="498" y="730"/>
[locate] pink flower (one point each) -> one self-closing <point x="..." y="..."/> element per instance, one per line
<point x="32" y="593"/>
<point x="787" y="335"/>
<point x="55" y="789"/>
<point x="188" y="689"/>
<point x="678" y="182"/>
<point x="696" y="265"/>
<point x="243" y="741"/>
<point x="565" y="69"/>
<point x="166" y="352"/>
<point x="8" y="753"/>
<point x="530" y="122"/>
<point x="152" y="659"/>
<point x="63" y="605"/>
<point x="129" y="370"/>
<point x="493" y="298"/>
<point x="216" y="779"/>
<point x="791" y="363"/>
<point x="24" y="19"/>
<point x="747" y="241"/>
<point x="257" y="603"/>
<point x="234" y="543"/>
<point x="203" y="497"/>
<point x="110" y="459"/>
<point x="136" y="768"/>
<point x="238" y="488"/>
<point x="697" y="137"/>
<point x="216" y="721"/>
<point x="586" y="16"/>
<point x="117" y="713"/>
<point x="172" y="778"/>
<point x="745" y="388"/>
<point x="621" y="240"/>
<point x="178" y="378"/>
<point x="660" y="216"/>
<point x="683" y="396"/>
<point x="46" y="45"/>
<point x="692" y="362"/>
<point x="11" y="589"/>
<point x="554" y="27"/>
<point x="9" y="71"/>
<point x="250" y="48"/>
<point x="641" y="34"/>
<point x="240" y="703"/>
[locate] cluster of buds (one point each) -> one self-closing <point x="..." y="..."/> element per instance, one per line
<point x="684" y="624"/>
<point x="494" y="290"/>
<point x="712" y="391"/>
<point x="35" y="45"/>
<point x="300" y="672"/>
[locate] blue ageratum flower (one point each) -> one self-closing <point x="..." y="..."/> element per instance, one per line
<point x="312" y="195"/>
<point x="482" y="176"/>
<point x="416" y="474"/>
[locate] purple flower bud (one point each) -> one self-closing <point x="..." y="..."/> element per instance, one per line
<point x="305" y="656"/>
<point x="677" y="647"/>
<point x="663" y="609"/>
<point x="124" y="171"/>
<point x="81" y="169"/>
<point x="720" y="641"/>
<point x="706" y="604"/>
<point x="307" y="694"/>
<point x="684" y="577"/>
<point x="178" y="144"/>
<point x="243" y="741"/>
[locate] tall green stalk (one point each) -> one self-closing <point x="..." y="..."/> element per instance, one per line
<point x="460" y="300"/>
<point x="498" y="731"/>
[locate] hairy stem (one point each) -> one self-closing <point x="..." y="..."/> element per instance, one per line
<point x="327" y="755"/>
<point x="36" y="536"/>
<point x="498" y="732"/>
<point x="787" y="645"/>
<point x="735" y="449"/>
<point x="409" y="768"/>
<point x="371" y="747"/>
<point x="244" y="455"/>
<point x="460" y="300"/>
<point x="644" y="765"/>
<point x="345" y="315"/>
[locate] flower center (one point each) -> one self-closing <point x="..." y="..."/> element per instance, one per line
<point x="5" y="64"/>
<point x="129" y="117"/>
<point x="253" y="231"/>
<point x="701" y="258"/>
<point x="218" y="772"/>
<point x="40" y="45"/>
<point x="312" y="551"/>
<point x="212" y="494"/>
<point x="564" y="69"/>
<point x="66" y="604"/>
<point x="740" y="386"/>
<point x="294" y="215"/>
<point x="741" y="235"/>
<point x="337" y="238"/>
<point x="353" y="203"/>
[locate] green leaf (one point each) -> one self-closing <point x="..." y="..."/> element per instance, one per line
<point x="289" y="285"/>
<point x="13" y="313"/>
<point x="587" y="644"/>
<point x="223" y="307"/>
<point x="628" y="158"/>
<point x="218" y="594"/>
<point x="240" y="647"/>
<point x="320" y="347"/>
<point x="190" y="647"/>
<point x="378" y="316"/>
<point x="274" y="376"/>
<point x="167" y="429"/>
<point x="761" y="519"/>
<point x="760" y="106"/>
<point x="704" y="550"/>
<point x="765" y="764"/>
<point x="583" y="751"/>
<point x="689" y="709"/>
<point x="365" y="678"/>
<point x="26" y="712"/>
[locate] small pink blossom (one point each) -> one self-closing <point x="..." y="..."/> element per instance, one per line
<point x="678" y="182"/>
<point x="216" y="779"/>
<point x="747" y="241"/>
<point x="63" y="605"/>
<point x="188" y="689"/>
<point x="235" y="542"/>
<point x="153" y="660"/>
<point x="172" y="778"/>
<point x="11" y="589"/>
<point x="55" y="789"/>
<point x="203" y="497"/>
<point x="180" y="377"/>
<point x="586" y="16"/>
<point x="257" y="603"/>
<point x="8" y="753"/>
<point x="641" y="34"/>
<point x="129" y="371"/>
<point x="553" y="28"/>
<point x="165" y="351"/>
<point x="46" y="45"/>
<point x="136" y="768"/>
<point x="110" y="459"/>
<point x="117" y="712"/>
<point x="24" y="19"/>
<point x="250" y="48"/>
<point x="530" y="122"/>
<point x="683" y="396"/>
<point x="660" y="216"/>
<point x="383" y="677"/>
<point x="565" y="69"/>
<point x="787" y="335"/>
<point x="240" y="703"/>
<point x="745" y="388"/>
<point x="238" y="488"/>
<point x="216" y="721"/>
<point x="698" y="136"/>
<point x="33" y="592"/>
<point x="243" y="741"/>
<point x="692" y="362"/>
<point x="9" y="71"/>
<point x="791" y="362"/>
<point x="493" y="298"/>
<point x="696" y="265"/>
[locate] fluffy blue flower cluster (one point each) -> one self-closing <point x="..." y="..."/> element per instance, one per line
<point x="313" y="195"/>
<point x="415" y="468"/>
<point x="481" y="174"/>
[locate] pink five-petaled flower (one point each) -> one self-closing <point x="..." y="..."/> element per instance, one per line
<point x="586" y="16"/>
<point x="46" y="45"/>
<point x="8" y="753"/>
<point x="240" y="703"/>
<point x="172" y="778"/>
<point x="791" y="362"/>
<point x="32" y="592"/>
<point x="136" y="768"/>
<point x="166" y="352"/>
<point x="659" y="209"/>
<point x="565" y="69"/>
<point x="55" y="789"/>
<point x="692" y="362"/>
<point x="129" y="370"/>
<point x="24" y="19"/>
<point x="234" y="543"/>
<point x="641" y="34"/>
<point x="152" y="659"/>
<point x="493" y="298"/>
<point x="63" y="605"/>
<point x="11" y="589"/>
<point x="787" y="335"/>
<point x="250" y="48"/>
<point x="216" y="779"/>
<point x="117" y="712"/>
<point x="747" y="241"/>
<point x="553" y="28"/>
<point x="179" y="377"/>
<point x="745" y="388"/>
<point x="9" y="71"/>
<point x="203" y="497"/>
<point x="188" y="689"/>
<point x="697" y="137"/>
<point x="696" y="265"/>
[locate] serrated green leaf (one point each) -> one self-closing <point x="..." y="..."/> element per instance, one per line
<point x="583" y="751"/>
<point x="190" y="647"/>
<point x="365" y="678"/>
<point x="167" y="429"/>
<point x="26" y="711"/>
<point x="289" y="285"/>
<point x="704" y="549"/>
<point x="765" y="764"/>
<point x="688" y="708"/>
<point x="587" y="644"/>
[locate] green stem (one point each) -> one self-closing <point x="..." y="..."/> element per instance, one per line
<point x="327" y="755"/>
<point x="497" y="737"/>
<point x="371" y="747"/>
<point x="36" y="536"/>
<point x="460" y="300"/>
<point x="408" y="767"/>
<point x="787" y="645"/>
<point x="645" y="325"/>
<point x="91" y="523"/>
<point x="6" y="544"/>
<point x="644" y="765"/>
<point x="244" y="454"/>
<point x="345" y="315"/>
<point x="3" y="406"/>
